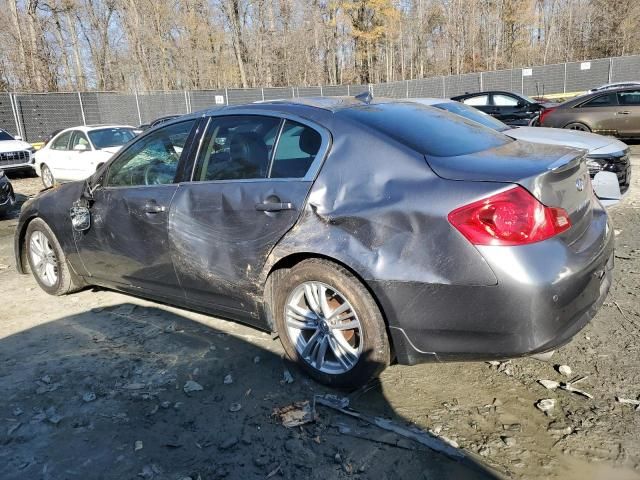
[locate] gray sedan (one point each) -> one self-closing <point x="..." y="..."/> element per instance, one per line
<point x="358" y="231"/>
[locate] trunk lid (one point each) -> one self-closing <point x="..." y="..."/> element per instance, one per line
<point x="555" y="175"/>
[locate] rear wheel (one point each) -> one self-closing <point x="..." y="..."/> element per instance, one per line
<point x="581" y="127"/>
<point x="329" y="323"/>
<point x="47" y="260"/>
<point x="47" y="177"/>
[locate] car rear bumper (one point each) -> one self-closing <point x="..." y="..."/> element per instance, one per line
<point x="546" y="293"/>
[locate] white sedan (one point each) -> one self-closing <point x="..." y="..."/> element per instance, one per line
<point x="76" y="153"/>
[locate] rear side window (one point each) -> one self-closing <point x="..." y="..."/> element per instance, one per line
<point x="427" y="130"/>
<point x="601" y="101"/>
<point x="629" y="98"/>
<point x="62" y="142"/>
<point x="237" y="148"/>
<point x="504" y="101"/>
<point x="297" y="147"/>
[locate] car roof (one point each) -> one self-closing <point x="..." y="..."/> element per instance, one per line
<point x="608" y="86"/>
<point x="90" y="128"/>
<point x="328" y="104"/>
<point x="487" y="92"/>
<point x="605" y="91"/>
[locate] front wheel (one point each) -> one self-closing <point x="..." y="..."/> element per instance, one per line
<point x="47" y="261"/>
<point x="329" y="323"/>
<point x="581" y="127"/>
<point x="47" y="177"/>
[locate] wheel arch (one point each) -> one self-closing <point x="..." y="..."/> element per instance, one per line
<point x="285" y="263"/>
<point x="22" y="265"/>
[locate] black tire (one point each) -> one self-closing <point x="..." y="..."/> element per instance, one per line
<point x="581" y="127"/>
<point x="66" y="281"/>
<point x="372" y="336"/>
<point x="47" y="177"/>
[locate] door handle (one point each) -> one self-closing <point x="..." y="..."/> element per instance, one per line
<point x="274" y="206"/>
<point x="624" y="112"/>
<point x="152" y="207"/>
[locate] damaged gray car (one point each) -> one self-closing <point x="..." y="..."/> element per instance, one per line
<point x="361" y="232"/>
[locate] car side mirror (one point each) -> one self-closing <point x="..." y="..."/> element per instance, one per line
<point x="81" y="147"/>
<point x="80" y="218"/>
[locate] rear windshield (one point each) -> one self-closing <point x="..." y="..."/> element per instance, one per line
<point x="474" y="114"/>
<point x="427" y="130"/>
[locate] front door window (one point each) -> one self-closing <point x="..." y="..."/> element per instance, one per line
<point x="153" y="160"/>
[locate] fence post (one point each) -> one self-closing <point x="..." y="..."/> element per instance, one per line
<point x="371" y="89"/>
<point x="14" y="110"/>
<point x="186" y="101"/>
<point x="226" y="95"/>
<point x="564" y="85"/>
<point x="407" y="85"/>
<point x="135" y="92"/>
<point x="293" y="92"/>
<point x="444" y="87"/>
<point x="481" y="83"/>
<point x="84" y="120"/>
<point x="348" y="91"/>
<point x="610" y="70"/>
<point x="321" y="91"/>
<point x="262" y="91"/>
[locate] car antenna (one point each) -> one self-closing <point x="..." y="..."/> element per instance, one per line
<point x="364" y="97"/>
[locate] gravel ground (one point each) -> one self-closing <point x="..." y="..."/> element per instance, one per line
<point x="94" y="387"/>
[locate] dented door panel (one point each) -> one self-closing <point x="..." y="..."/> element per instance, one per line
<point x="127" y="243"/>
<point x="220" y="237"/>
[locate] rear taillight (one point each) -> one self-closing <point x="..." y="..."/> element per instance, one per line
<point x="546" y="112"/>
<point x="513" y="217"/>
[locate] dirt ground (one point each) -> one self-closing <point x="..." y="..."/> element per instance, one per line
<point x="93" y="386"/>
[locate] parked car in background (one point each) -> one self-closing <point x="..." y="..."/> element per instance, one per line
<point x="158" y="121"/>
<point x="75" y="153"/>
<point x="7" y="196"/>
<point x="511" y="108"/>
<point x="613" y="112"/>
<point x="604" y="154"/>
<point x="610" y="86"/>
<point x="14" y="153"/>
<point x="351" y="227"/>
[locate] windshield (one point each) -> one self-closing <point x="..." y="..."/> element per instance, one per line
<point x="473" y="114"/>
<point x="427" y="130"/>
<point x="111" y="137"/>
<point x="5" y="136"/>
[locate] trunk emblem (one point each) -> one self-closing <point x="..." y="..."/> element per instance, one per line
<point x="580" y="184"/>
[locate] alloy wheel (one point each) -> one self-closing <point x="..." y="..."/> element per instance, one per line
<point x="43" y="258"/>
<point x="324" y="327"/>
<point x="47" y="177"/>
